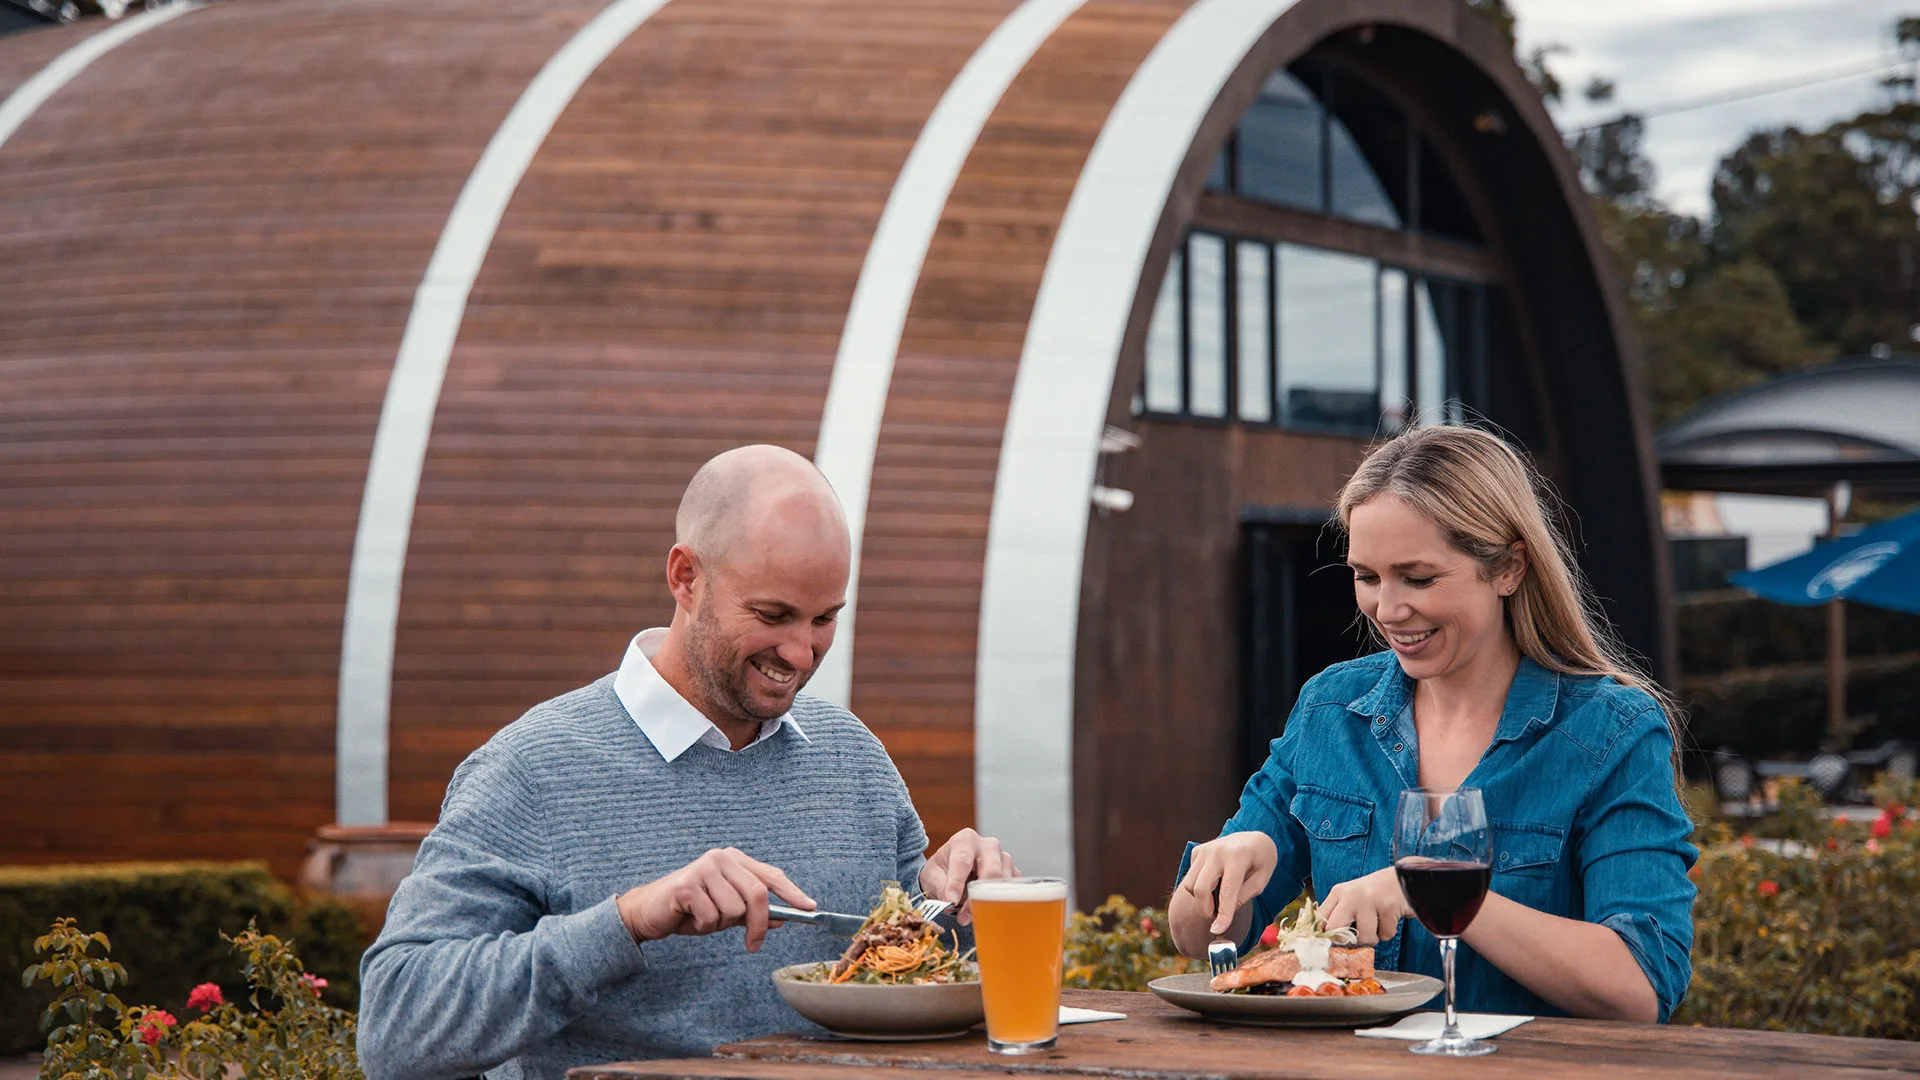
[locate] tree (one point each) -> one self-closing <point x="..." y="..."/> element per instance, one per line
<point x="1834" y="214"/>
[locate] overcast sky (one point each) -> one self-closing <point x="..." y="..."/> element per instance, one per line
<point x="1664" y="51"/>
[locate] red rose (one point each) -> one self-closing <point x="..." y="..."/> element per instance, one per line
<point x="1270" y="936"/>
<point x="1897" y="810"/>
<point x="205" y="997"/>
<point x="162" y="1017"/>
<point x="1832" y="844"/>
<point x="1768" y="888"/>
<point x="1882" y="827"/>
<point x="149" y="1034"/>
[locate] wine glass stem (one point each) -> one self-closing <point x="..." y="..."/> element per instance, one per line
<point x="1452" y="1032"/>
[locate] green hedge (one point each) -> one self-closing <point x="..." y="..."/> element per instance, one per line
<point x="1730" y="631"/>
<point x="165" y="921"/>
<point x="1782" y="710"/>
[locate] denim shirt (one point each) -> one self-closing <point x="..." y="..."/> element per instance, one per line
<point x="1578" y="787"/>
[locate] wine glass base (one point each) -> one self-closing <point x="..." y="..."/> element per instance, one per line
<point x="1461" y="1047"/>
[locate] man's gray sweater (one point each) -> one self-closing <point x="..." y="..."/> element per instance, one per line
<point x="503" y="953"/>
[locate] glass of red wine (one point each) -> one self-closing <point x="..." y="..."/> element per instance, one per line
<point x="1443" y="853"/>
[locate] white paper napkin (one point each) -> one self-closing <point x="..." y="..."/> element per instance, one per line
<point x="1427" y="1025"/>
<point x="1071" y="1015"/>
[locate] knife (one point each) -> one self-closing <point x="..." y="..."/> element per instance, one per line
<point x="836" y="924"/>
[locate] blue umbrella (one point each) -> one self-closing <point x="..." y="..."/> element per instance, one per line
<point x="1878" y="566"/>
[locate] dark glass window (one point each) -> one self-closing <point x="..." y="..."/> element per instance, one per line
<point x="1443" y="208"/>
<point x="1278" y="146"/>
<point x="1253" y="318"/>
<point x="1370" y="155"/>
<point x="1310" y="338"/>
<point x="1326" y="142"/>
<point x="1328" y="371"/>
<point x="1206" y="325"/>
<point x="1166" y="344"/>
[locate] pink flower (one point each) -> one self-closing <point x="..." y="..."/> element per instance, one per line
<point x="316" y="982"/>
<point x="205" y="997"/>
<point x="1873" y="846"/>
<point x="1768" y="888"/>
<point x="162" y="1017"/>
<point x="149" y="1034"/>
<point x="1746" y="840"/>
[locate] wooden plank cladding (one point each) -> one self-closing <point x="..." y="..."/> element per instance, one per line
<point x="670" y="281"/>
<point x="209" y="246"/>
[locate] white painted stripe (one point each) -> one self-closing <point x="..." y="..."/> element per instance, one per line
<point x="1029" y="605"/>
<point x="27" y="98"/>
<point x="870" y="340"/>
<point x="413" y="394"/>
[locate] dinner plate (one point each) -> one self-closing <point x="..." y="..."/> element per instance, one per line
<point x="1404" y="993"/>
<point x="883" y="1013"/>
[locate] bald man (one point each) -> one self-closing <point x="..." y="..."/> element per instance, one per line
<point x="597" y="887"/>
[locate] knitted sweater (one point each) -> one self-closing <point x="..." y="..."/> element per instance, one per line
<point x="503" y="952"/>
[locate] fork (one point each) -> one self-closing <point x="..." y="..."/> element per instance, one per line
<point x="1222" y="957"/>
<point x="931" y="908"/>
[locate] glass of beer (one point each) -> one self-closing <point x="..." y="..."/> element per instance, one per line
<point x="1018" y="927"/>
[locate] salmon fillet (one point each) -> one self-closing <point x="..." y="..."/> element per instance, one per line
<point x="1278" y="966"/>
<point x="1271" y="966"/>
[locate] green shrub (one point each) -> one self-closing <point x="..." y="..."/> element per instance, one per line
<point x="1120" y="947"/>
<point x="286" y="1033"/>
<point x="1727" y="631"/>
<point x="1763" y="712"/>
<point x="1821" y="936"/>
<point x="167" y="918"/>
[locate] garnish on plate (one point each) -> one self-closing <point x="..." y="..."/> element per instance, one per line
<point x="1308" y="959"/>
<point x="897" y="946"/>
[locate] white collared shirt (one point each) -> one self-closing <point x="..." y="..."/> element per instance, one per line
<point x="669" y="721"/>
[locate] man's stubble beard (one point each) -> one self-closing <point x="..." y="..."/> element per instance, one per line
<point x="722" y="673"/>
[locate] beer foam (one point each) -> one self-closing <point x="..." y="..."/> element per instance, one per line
<point x="1033" y="889"/>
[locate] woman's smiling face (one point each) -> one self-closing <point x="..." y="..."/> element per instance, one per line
<point x="1427" y="598"/>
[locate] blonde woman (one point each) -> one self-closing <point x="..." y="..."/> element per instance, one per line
<point x="1498" y="674"/>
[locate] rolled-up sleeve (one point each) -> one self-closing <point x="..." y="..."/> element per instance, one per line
<point x="1263" y="808"/>
<point x="1634" y="853"/>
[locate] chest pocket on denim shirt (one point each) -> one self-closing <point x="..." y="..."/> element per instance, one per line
<point x="1526" y="861"/>
<point x="1339" y="831"/>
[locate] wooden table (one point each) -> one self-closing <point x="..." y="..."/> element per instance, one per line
<point x="1160" y="1042"/>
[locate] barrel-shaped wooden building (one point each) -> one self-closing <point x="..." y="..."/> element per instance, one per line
<point x="355" y="355"/>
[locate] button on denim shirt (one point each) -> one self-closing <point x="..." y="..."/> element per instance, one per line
<point x="1579" y="793"/>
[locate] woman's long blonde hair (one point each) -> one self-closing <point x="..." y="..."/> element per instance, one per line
<point x="1484" y="495"/>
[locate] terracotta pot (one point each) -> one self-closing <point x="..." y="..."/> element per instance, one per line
<point x="362" y="865"/>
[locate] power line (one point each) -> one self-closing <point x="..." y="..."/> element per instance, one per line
<point x="1745" y="93"/>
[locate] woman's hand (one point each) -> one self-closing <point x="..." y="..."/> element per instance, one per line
<point x="1210" y="902"/>
<point x="1372" y="905"/>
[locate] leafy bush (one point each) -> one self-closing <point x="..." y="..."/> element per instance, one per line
<point x="1120" y="947"/>
<point x="1818" y="931"/>
<point x="1731" y="630"/>
<point x="1783" y="709"/>
<point x="170" y="916"/>
<point x="288" y="1032"/>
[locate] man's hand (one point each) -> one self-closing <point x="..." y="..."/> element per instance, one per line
<point x="720" y="889"/>
<point x="1372" y="905"/>
<point x="965" y="856"/>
